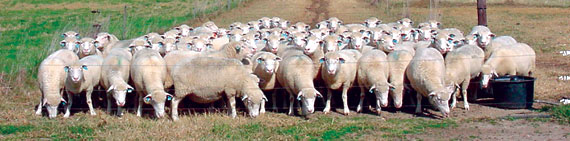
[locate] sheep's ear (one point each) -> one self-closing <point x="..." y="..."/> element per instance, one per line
<point x="372" y="89"/>
<point x="492" y="36"/>
<point x="342" y="61"/>
<point x="432" y="94"/>
<point x="278" y="59"/>
<point x="264" y="98"/>
<point x="62" y="44"/>
<point x="259" y="60"/>
<point x="62" y="35"/>
<point x="96" y="43"/>
<point x="111" y="88"/>
<point x="390" y="86"/>
<point x="244" y="97"/>
<point x="169" y="97"/>
<point x="321" y="60"/>
<point x="147" y="99"/>
<point x="84" y="67"/>
<point x="300" y="95"/>
<point x="318" y="93"/>
<point x="44" y="102"/>
<point x="238" y="48"/>
<point x="66" y="68"/>
<point x="63" y="101"/>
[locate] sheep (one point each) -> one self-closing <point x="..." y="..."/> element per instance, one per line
<point x="372" y="74"/>
<point x="484" y="38"/>
<point x="71" y="34"/>
<point x="105" y="41"/>
<point x="443" y="43"/>
<point x="406" y="22"/>
<point x="398" y="61"/>
<point x="395" y="33"/>
<point x="430" y="24"/>
<point x="372" y="22"/>
<point x="387" y="44"/>
<point x="265" y="22"/>
<point x="156" y="43"/>
<point x="171" y="34"/>
<point x="356" y="27"/>
<point x="235" y="35"/>
<point x="184" y="30"/>
<point x="426" y="73"/>
<point x="300" y="26"/>
<point x="339" y="72"/>
<point x="71" y="44"/>
<point x="137" y="45"/>
<point x="86" y="48"/>
<point x="396" y="26"/>
<point x="283" y="24"/>
<point x="462" y="65"/>
<point x="425" y="33"/>
<point x="297" y="39"/>
<point x="455" y="34"/>
<point x="83" y="76"/>
<point x="314" y="50"/>
<point x="148" y="72"/>
<point x="408" y="34"/>
<point x="256" y="25"/>
<point x="295" y="74"/>
<point x="334" y="23"/>
<point x="515" y="59"/>
<point x="173" y="58"/>
<point x="322" y="25"/>
<point x="479" y="28"/>
<point x="332" y="43"/>
<point x="115" y="75"/>
<point x="496" y="43"/>
<point x="470" y="40"/>
<point x="319" y="33"/>
<point x="235" y="50"/>
<point x="376" y="34"/>
<point x="340" y="30"/>
<point x="275" y="22"/>
<point x="51" y="80"/>
<point x="152" y="35"/>
<point x="359" y="42"/>
<point x="273" y="43"/>
<point x="212" y="79"/>
<point x="200" y="45"/>
<point x="265" y="65"/>
<point x="251" y="40"/>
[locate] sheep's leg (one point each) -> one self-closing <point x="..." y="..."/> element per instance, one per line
<point x="70" y="102"/>
<point x="274" y="100"/>
<point x="262" y="107"/>
<point x="39" y="110"/>
<point x="362" y="94"/>
<point x="89" y="102"/>
<point x="109" y="103"/>
<point x="346" y="111"/>
<point x="328" y="103"/>
<point x="232" y="104"/>
<point x="453" y="99"/>
<point x="291" y="103"/>
<point x="139" y="106"/>
<point x="419" y="103"/>
<point x="464" y="87"/>
<point x="174" y="108"/>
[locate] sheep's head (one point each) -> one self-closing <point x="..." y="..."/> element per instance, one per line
<point x="119" y="92"/>
<point x="265" y="22"/>
<point x="269" y="62"/>
<point x="51" y="102"/>
<point x="334" y="23"/>
<point x="487" y="72"/>
<point x="358" y="40"/>
<point x="75" y="72"/>
<point x="332" y="43"/>
<point x="199" y="45"/>
<point x="387" y="43"/>
<point x="440" y="99"/>
<point x="71" y="34"/>
<point x="484" y="38"/>
<point x="251" y="40"/>
<point x="434" y="24"/>
<point x="103" y="39"/>
<point x="283" y="24"/>
<point x="332" y="62"/>
<point x="275" y="22"/>
<point x="254" y="25"/>
<point x="299" y="39"/>
<point x="312" y="44"/>
<point x="442" y="43"/>
<point x="322" y="25"/>
<point x="425" y="33"/>
<point x="408" y="34"/>
<point x="273" y="42"/>
<point x="87" y="45"/>
<point x="470" y="40"/>
<point x="71" y="44"/>
<point x="168" y="44"/>
<point x="396" y="93"/>
<point x="252" y="96"/>
<point x="381" y="91"/>
<point x="372" y="22"/>
<point x="406" y="22"/>
<point x="307" y="97"/>
<point x="138" y="45"/>
<point x="184" y="30"/>
<point x="157" y="100"/>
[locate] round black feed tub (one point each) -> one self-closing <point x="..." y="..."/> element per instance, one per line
<point x="513" y="92"/>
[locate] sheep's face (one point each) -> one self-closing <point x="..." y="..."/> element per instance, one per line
<point x="283" y="24"/>
<point x="470" y="40"/>
<point x="270" y="63"/>
<point x="103" y="39"/>
<point x="312" y="44"/>
<point x="251" y="41"/>
<point x="70" y="44"/>
<point x="440" y="99"/>
<point x="71" y="34"/>
<point x="119" y="92"/>
<point x="372" y="22"/>
<point x="156" y="43"/>
<point x="87" y="45"/>
<point x="425" y="33"/>
<point x="299" y="39"/>
<point x="275" y="22"/>
<point x="406" y="22"/>
<point x="376" y="34"/>
<point x="387" y="43"/>
<point x="408" y="34"/>
<point x="397" y="95"/>
<point x="51" y="102"/>
<point x="171" y="34"/>
<point x="169" y="44"/>
<point x="332" y="44"/>
<point x="252" y="95"/>
<point x="396" y="34"/>
<point x="273" y="43"/>
<point x="381" y="92"/>
<point x="254" y="25"/>
<point x="265" y="22"/>
<point x="199" y="45"/>
<point x="320" y="34"/>
<point x="235" y="36"/>
<point x="75" y="72"/>
<point x="307" y="97"/>
<point x="332" y="63"/>
<point x="484" y="38"/>
<point x="443" y="44"/>
<point x="138" y="45"/>
<point x="334" y="23"/>
<point x="322" y="25"/>
<point x="157" y="100"/>
<point x="358" y="40"/>
<point x="487" y="73"/>
<point x="434" y="23"/>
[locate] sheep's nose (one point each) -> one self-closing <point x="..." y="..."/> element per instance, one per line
<point x="121" y="104"/>
<point x="311" y="111"/>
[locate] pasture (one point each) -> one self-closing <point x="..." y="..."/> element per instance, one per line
<point x="30" y="30"/>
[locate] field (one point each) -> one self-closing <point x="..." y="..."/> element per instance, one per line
<point x="30" y="30"/>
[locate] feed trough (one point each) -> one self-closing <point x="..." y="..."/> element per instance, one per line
<point x="513" y="92"/>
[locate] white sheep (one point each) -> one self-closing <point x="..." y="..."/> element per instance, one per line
<point x="462" y="65"/>
<point x="398" y="61"/>
<point x="314" y="50"/>
<point x="372" y="75"/>
<point x="71" y="34"/>
<point x="265" y="66"/>
<point x="359" y="42"/>
<point x="273" y="43"/>
<point x="213" y="79"/>
<point x="173" y="58"/>
<point x="295" y="74"/>
<point x="334" y="23"/>
<point x="339" y="73"/>
<point x="51" y="80"/>
<point x="71" y="44"/>
<point x="148" y="72"/>
<point x="372" y="22"/>
<point x="426" y="73"/>
<point x="87" y="47"/>
<point x="105" y="41"/>
<point x="115" y="75"/>
<point x="300" y="26"/>
<point x="332" y="43"/>
<point x="515" y="59"/>
<point x="496" y="43"/>
<point x="83" y="76"/>
<point x="184" y="30"/>
<point x="234" y="50"/>
<point x="406" y="22"/>
<point x="265" y="22"/>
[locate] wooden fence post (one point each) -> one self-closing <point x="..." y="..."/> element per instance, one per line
<point x="482" y="12"/>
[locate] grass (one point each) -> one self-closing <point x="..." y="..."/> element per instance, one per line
<point x="560" y="113"/>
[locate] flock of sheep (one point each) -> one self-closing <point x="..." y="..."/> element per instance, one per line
<point x="250" y="60"/>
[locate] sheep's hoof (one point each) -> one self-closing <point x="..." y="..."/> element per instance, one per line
<point x="358" y="109"/>
<point x="262" y="111"/>
<point x="467" y="107"/>
<point x="66" y="116"/>
<point x="346" y="112"/>
<point x="93" y="113"/>
<point x="38" y="113"/>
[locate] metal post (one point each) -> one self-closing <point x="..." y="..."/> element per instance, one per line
<point x="124" y="22"/>
<point x="482" y="12"/>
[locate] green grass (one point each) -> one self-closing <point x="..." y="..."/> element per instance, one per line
<point x="11" y="129"/>
<point x="560" y="113"/>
